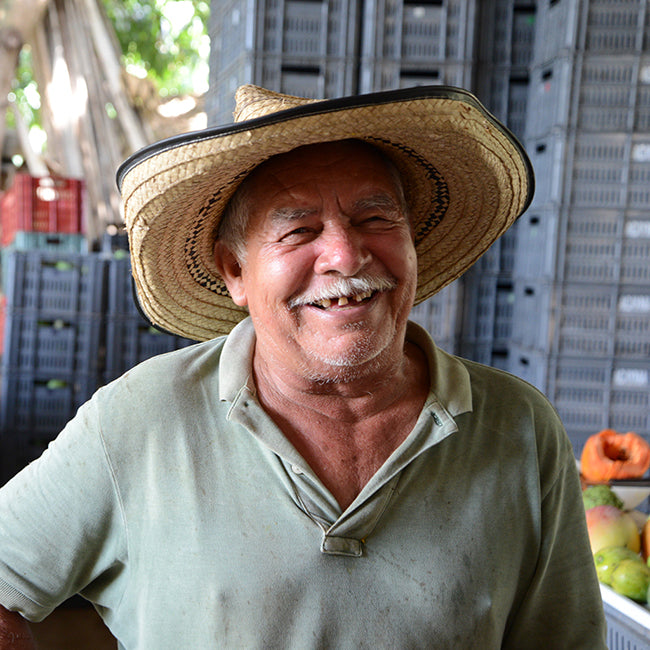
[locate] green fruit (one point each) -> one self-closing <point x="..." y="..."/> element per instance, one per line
<point x="608" y="558"/>
<point x="632" y="579"/>
<point x="600" y="495"/>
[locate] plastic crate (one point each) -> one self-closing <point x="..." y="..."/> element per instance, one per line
<point x="549" y="96"/>
<point x="642" y="109"/>
<point x="591" y="394"/>
<point x="60" y="242"/>
<point x="130" y="340"/>
<point x="536" y="246"/>
<point x="386" y="74"/>
<point x="604" y="260"/>
<point x="556" y="29"/>
<point x="47" y="204"/>
<point x="121" y="299"/>
<point x="17" y="450"/>
<point x="614" y="26"/>
<point x="532" y="317"/>
<point x="607" y="84"/>
<point x="52" y="346"/>
<point x="415" y="33"/>
<point x="3" y="320"/>
<point x="439" y="315"/>
<point x="528" y="364"/>
<point x="628" y="623"/>
<point x="547" y="158"/>
<point x="638" y="192"/>
<point x="630" y="397"/>
<point x="115" y="242"/>
<point x="312" y="78"/>
<point x="57" y="285"/>
<point x="42" y="404"/>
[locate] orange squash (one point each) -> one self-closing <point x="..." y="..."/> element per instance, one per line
<point x="611" y="455"/>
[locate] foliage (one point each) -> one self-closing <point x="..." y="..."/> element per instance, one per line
<point x="166" y="40"/>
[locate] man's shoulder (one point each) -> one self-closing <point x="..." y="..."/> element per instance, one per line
<point x="505" y="396"/>
<point x="492" y="380"/>
<point x="161" y="377"/>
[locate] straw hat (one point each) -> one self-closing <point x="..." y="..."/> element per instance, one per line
<point x="465" y="176"/>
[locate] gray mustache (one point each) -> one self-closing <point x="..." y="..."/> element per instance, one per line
<point x="344" y="287"/>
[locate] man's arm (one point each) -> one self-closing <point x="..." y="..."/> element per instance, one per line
<point x="14" y="632"/>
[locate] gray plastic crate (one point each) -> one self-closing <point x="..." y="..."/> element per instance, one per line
<point x="507" y="32"/>
<point x="628" y="623"/>
<point x="549" y="96"/>
<point x="591" y="394"/>
<point x="607" y="84"/>
<point x="582" y="319"/>
<point x="536" y="246"/>
<point x="488" y="312"/>
<point x="131" y="339"/>
<point x="614" y="26"/>
<point x="387" y="74"/>
<point x="547" y="158"/>
<point x="24" y="241"/>
<point x="529" y="364"/>
<point x="417" y="33"/>
<point x="556" y="29"/>
<point x="51" y="346"/>
<point x="439" y="315"/>
<point x="642" y="108"/>
<point x="40" y="404"/>
<point x="533" y="316"/>
<point x="55" y="284"/>
<point x="121" y="300"/>
<point x="315" y="78"/>
<point x="504" y="92"/>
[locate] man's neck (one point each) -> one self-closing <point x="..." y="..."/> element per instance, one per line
<point x="346" y="430"/>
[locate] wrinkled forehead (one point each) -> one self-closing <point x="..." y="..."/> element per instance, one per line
<point x="350" y="160"/>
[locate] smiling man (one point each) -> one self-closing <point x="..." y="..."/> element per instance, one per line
<point x="316" y="473"/>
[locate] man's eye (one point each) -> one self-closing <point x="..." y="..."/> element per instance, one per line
<point x="297" y="232"/>
<point x="376" y="219"/>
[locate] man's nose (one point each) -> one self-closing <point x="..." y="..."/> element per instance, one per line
<point x="341" y="250"/>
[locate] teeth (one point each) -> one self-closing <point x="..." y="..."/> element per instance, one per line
<point x="343" y="300"/>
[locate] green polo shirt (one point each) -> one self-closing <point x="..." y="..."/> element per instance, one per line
<point x="179" y="509"/>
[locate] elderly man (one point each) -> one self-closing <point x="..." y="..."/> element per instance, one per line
<point x="323" y="476"/>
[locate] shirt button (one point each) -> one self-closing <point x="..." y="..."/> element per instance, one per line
<point x="296" y="470"/>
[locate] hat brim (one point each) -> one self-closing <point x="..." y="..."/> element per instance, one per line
<point x="466" y="178"/>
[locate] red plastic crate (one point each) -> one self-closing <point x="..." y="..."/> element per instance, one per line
<point x="48" y="204"/>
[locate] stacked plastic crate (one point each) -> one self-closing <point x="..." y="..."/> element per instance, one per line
<point x="404" y="44"/>
<point x="409" y="43"/>
<point x="505" y="48"/>
<point x="50" y="313"/>
<point x="581" y="323"/>
<point x="130" y="337"/>
<point x="299" y="47"/>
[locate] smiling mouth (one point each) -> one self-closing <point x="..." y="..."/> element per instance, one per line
<point x="343" y="301"/>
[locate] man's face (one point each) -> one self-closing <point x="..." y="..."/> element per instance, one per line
<point x="330" y="270"/>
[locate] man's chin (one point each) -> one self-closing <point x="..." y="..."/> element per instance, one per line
<point x="343" y="366"/>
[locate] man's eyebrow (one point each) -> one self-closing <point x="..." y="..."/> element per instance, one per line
<point x="383" y="201"/>
<point x="278" y="215"/>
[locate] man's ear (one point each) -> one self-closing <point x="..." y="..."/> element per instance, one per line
<point x="231" y="272"/>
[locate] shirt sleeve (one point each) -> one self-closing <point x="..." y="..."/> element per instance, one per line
<point x="562" y="606"/>
<point x="61" y="524"/>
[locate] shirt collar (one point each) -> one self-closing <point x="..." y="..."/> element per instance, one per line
<point x="449" y="378"/>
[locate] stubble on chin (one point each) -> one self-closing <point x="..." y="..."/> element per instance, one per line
<point x="361" y="358"/>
